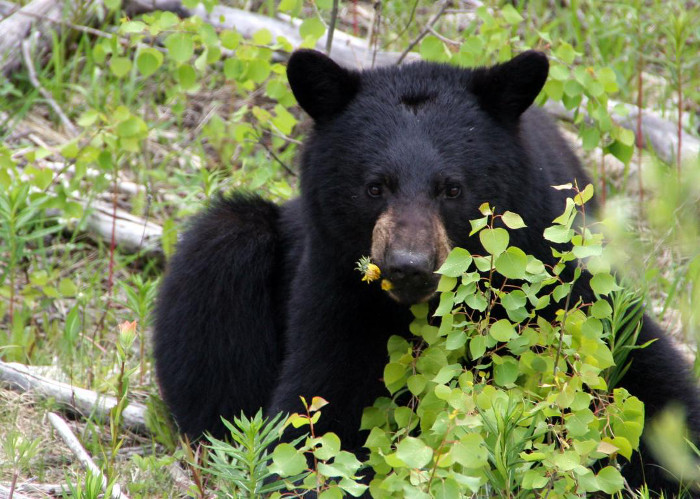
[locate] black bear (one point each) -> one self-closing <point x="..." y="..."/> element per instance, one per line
<point x="262" y="303"/>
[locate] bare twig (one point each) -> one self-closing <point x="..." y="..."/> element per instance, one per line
<point x="276" y="158"/>
<point x="76" y="447"/>
<point x="45" y="93"/>
<point x="426" y="30"/>
<point x="442" y="37"/>
<point x="331" y="27"/>
<point x="377" y="27"/>
<point x="411" y="17"/>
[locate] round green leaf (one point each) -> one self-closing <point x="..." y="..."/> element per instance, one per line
<point x="502" y="330"/>
<point x="230" y="39"/>
<point x="494" y="241"/>
<point x="470" y="451"/>
<point x="148" y="61"/>
<point x="416" y="383"/>
<point x="506" y="371"/>
<point x="603" y="283"/>
<point x="180" y="46"/>
<point x="414" y="452"/>
<point x="477" y="347"/>
<point x="287" y="461"/>
<point x="258" y="70"/>
<point x="558" y="234"/>
<point x="512" y="263"/>
<point x="263" y="37"/>
<point x="312" y="27"/>
<point x="120" y="66"/>
<point x="511" y="15"/>
<point x="513" y="220"/>
<point x="132" y="127"/>
<point x="186" y="77"/>
<point x="434" y="49"/>
<point x="535" y="479"/>
<point x="610" y="480"/>
<point x="393" y="372"/>
<point x="330" y="446"/>
<point x="456" y="263"/>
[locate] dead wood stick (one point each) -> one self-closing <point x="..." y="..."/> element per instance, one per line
<point x="18" y="25"/>
<point x="79" y="400"/>
<point x="76" y="447"/>
<point x="40" y="489"/>
<point x="132" y="233"/>
<point x="5" y="493"/>
<point x="26" y="55"/>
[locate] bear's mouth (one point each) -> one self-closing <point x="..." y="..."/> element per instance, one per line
<point x="411" y="294"/>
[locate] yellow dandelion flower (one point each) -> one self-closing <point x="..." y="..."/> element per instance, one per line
<point x="386" y="284"/>
<point x="372" y="273"/>
<point x="369" y="270"/>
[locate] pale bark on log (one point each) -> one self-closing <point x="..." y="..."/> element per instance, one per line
<point x="5" y="493"/>
<point x="660" y="135"/>
<point x="38" y="489"/>
<point x="79" y="451"/>
<point x="131" y="233"/>
<point x="37" y="15"/>
<point x="79" y="400"/>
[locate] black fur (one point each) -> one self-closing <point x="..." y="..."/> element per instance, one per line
<point x="262" y="304"/>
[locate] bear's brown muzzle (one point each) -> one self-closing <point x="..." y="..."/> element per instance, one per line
<point x="409" y="243"/>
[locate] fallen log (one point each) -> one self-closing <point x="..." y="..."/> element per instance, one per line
<point x="38" y="489"/>
<point x="131" y="233"/>
<point x="78" y="400"/>
<point x="39" y="16"/>
<point x="660" y="135"/>
<point x="5" y="493"/>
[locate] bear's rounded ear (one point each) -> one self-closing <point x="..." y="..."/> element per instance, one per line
<point x="508" y="89"/>
<point x="322" y="88"/>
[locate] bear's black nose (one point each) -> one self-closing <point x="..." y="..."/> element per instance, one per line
<point x="408" y="268"/>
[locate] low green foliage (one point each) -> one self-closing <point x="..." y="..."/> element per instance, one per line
<point x="507" y="406"/>
<point x="242" y="467"/>
<point x="333" y="472"/>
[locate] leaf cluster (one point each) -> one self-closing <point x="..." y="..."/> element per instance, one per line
<point x="497" y="398"/>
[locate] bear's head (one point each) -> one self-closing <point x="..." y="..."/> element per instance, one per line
<point x="401" y="158"/>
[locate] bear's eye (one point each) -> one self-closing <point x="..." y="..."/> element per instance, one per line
<point x="375" y="190"/>
<point x="452" y="191"/>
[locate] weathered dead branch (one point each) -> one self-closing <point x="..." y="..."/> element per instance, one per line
<point x="79" y="400"/>
<point x="76" y="447"/>
<point x="37" y="489"/>
<point x="132" y="234"/>
<point x="5" y="493"/>
<point x="18" y="25"/>
<point x="27" y="56"/>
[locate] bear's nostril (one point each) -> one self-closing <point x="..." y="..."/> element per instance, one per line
<point x="411" y="267"/>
